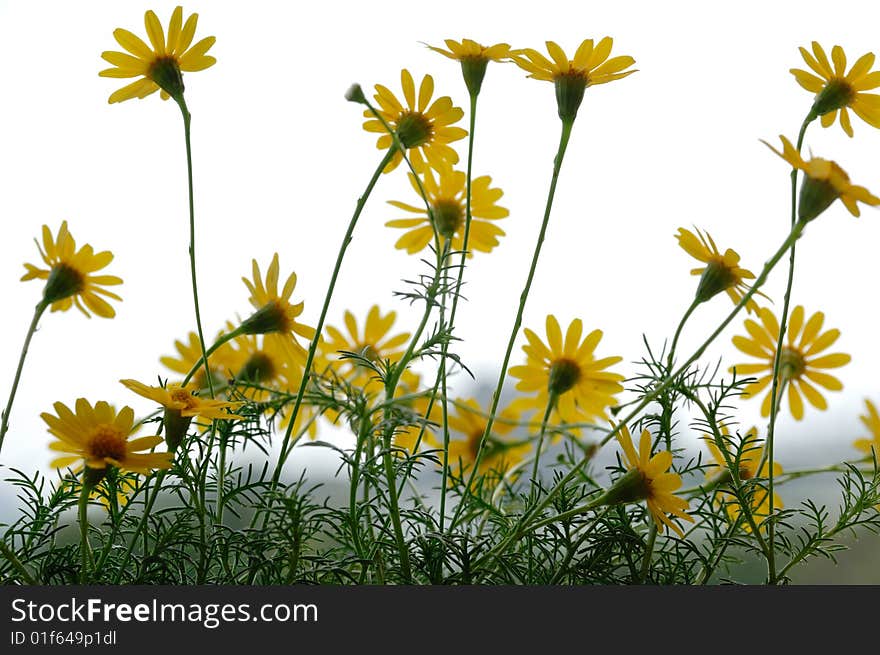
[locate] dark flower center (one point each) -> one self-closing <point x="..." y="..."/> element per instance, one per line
<point x="791" y="363"/>
<point x="564" y="374"/>
<point x="448" y="217"/>
<point x="107" y="441"/>
<point x="414" y="129"/>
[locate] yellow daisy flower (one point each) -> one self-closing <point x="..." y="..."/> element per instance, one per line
<point x="589" y="66"/>
<point x="871" y="420"/>
<point x="800" y="363"/>
<point x="275" y="314"/>
<point x="836" y="90"/>
<point x="425" y="129"/>
<point x="69" y="278"/>
<point x="824" y="183"/>
<point x="721" y="272"/>
<point x="467" y="424"/>
<point x="159" y="66"/>
<point x="374" y="343"/>
<point x="447" y="197"/>
<point x="647" y="478"/>
<point x="752" y="452"/>
<point x="568" y="369"/>
<point x="100" y="436"/>
<point x="473" y="58"/>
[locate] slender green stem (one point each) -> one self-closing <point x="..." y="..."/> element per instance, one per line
<point x="12" y="558"/>
<point x="320" y="325"/>
<point x="395" y="512"/>
<point x="649" y="552"/>
<point x="774" y="399"/>
<point x="670" y="361"/>
<point x="151" y="499"/>
<point x="4" y="421"/>
<point x="551" y="402"/>
<point x="187" y="118"/>
<point x="87" y="564"/>
<point x="496" y="396"/>
<point x="222" y="339"/>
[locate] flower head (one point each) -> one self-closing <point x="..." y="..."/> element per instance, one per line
<point x="100" y="436"/>
<point x="473" y="58"/>
<point x="721" y="272"/>
<point x="823" y="183"/>
<point x="836" y="90"/>
<point x="159" y="66"/>
<point x="801" y="365"/>
<point x="589" y="66"/>
<point x="447" y="198"/>
<point x="181" y="404"/>
<point x="69" y="278"/>
<point x="275" y="314"/>
<point x="871" y="420"/>
<point x="467" y="424"/>
<point x="569" y="370"/>
<point x="425" y="129"/>
<point x="647" y="478"/>
<point x="750" y="454"/>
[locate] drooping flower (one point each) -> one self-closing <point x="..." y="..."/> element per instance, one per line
<point x="836" y="90"/>
<point x="70" y="278"/>
<point x="473" y="58"/>
<point x="589" y="66"/>
<point x="582" y="387"/>
<point x="446" y="194"/>
<point x="647" y="478"/>
<point x="801" y="365"/>
<point x="721" y="272"/>
<point x="750" y="454"/>
<point x="160" y="66"/>
<point x="275" y="314"/>
<point x="467" y="424"/>
<point x="824" y="182"/>
<point x="99" y="436"/>
<point x="425" y="129"/>
<point x="181" y="405"/>
<point x="871" y="420"/>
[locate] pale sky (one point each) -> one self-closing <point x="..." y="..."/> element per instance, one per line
<point x="280" y="159"/>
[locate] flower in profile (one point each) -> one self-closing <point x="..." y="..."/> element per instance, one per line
<point x="801" y="365"/>
<point x="473" y="58"/>
<point x="721" y="272"/>
<point x="160" y="66"/>
<point x="181" y="404"/>
<point x="647" y="478"/>
<point x="824" y="182"/>
<point x="275" y="314"/>
<point x="836" y="90"/>
<point x="70" y="277"/>
<point x="447" y="198"/>
<point x="99" y="436"/>
<point x="467" y="423"/>
<point x="375" y="343"/>
<point x="589" y="66"/>
<point x="750" y="453"/>
<point x="568" y="370"/>
<point x="871" y="420"/>
<point x="425" y="129"/>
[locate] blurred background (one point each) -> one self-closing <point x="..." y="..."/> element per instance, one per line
<point x="280" y="159"/>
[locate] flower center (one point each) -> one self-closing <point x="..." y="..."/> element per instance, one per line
<point x="106" y="441"/>
<point x="791" y="363"/>
<point x="414" y="129"/>
<point x="448" y="217"/>
<point x="183" y="396"/>
<point x="64" y="281"/>
<point x="258" y="368"/>
<point x="837" y="94"/>
<point x="564" y="374"/>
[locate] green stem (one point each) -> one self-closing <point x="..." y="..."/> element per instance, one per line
<point x="187" y="118"/>
<point x="395" y="512"/>
<point x="151" y="499"/>
<point x="690" y="310"/>
<point x="649" y="551"/>
<point x="320" y="325"/>
<point x="4" y="421"/>
<point x="774" y="399"/>
<point x="229" y="336"/>
<point x="87" y="564"/>
<point x="551" y="401"/>
<point x="496" y="396"/>
<point x="11" y="557"/>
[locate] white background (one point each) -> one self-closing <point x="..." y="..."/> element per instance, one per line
<point x="280" y="158"/>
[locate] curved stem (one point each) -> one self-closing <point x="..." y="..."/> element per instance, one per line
<point x="222" y="339"/>
<point x="4" y="421"/>
<point x="12" y="558"/>
<point x="187" y="118"/>
<point x="649" y="551"/>
<point x="690" y="310"/>
<point x="496" y="396"/>
<point x="87" y="562"/>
